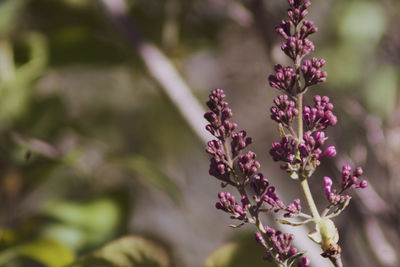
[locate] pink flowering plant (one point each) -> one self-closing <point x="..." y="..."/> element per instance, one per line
<point x="302" y="147"/>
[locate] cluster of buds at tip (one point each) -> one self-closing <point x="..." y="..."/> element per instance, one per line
<point x="248" y="163"/>
<point x="264" y="193"/>
<point x="219" y="166"/>
<point x="298" y="10"/>
<point x="278" y="246"/>
<point x="320" y="116"/>
<point x="295" y="46"/>
<point x="219" y="116"/>
<point x="284" y="78"/>
<point x="312" y="72"/>
<point x="284" y="111"/>
<point x="239" y="142"/>
<point x="309" y="156"/>
<point x="350" y="179"/>
<point x="228" y="204"/>
<point x="332" y="195"/>
<point x="293" y="209"/>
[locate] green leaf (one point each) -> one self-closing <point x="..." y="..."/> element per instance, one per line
<point x="83" y="224"/>
<point x="325" y="233"/>
<point x="47" y="252"/>
<point x="283" y="221"/>
<point x="98" y="215"/>
<point x="294" y="175"/>
<point x="150" y="175"/>
<point x="238" y="254"/>
<point x="381" y="90"/>
<point x="125" y="252"/>
<point x="70" y="235"/>
<point x="315" y="236"/>
<point x="362" y="21"/>
<point x="16" y="89"/>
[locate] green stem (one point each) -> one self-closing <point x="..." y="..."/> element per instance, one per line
<point x="228" y="156"/>
<point x="300" y="117"/>
<point x="303" y="180"/>
<point x="310" y="199"/>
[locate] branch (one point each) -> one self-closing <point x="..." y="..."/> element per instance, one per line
<point x="159" y="67"/>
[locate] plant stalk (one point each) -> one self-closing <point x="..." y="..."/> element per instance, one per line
<point x="303" y="180"/>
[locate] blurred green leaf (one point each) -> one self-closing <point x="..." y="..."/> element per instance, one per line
<point x="70" y="235"/>
<point x="150" y="175"/>
<point x="381" y="89"/>
<point x="127" y="251"/>
<point x="15" y="83"/>
<point x="83" y="224"/>
<point x="345" y="64"/>
<point x="242" y="253"/>
<point x="46" y="251"/>
<point x="362" y="21"/>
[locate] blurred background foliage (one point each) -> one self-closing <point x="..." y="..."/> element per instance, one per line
<point x="98" y="167"/>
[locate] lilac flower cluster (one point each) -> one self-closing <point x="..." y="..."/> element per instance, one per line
<point x="284" y="111"/>
<point x="284" y="79"/>
<point x="263" y="193"/>
<point x="297" y="46"/>
<point x="350" y="179"/>
<point x="300" y="153"/>
<point x="320" y="116"/>
<point x="312" y="71"/>
<point x="293" y="209"/>
<point x="223" y="162"/>
<point x="309" y="156"/>
<point x="228" y="204"/>
<point x="239" y="169"/>
<point x="276" y="241"/>
<point x="219" y="116"/>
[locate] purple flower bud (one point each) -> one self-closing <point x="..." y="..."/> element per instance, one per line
<point x="293" y="251"/>
<point x="358" y="171"/>
<point x="363" y="184"/>
<point x="350" y="179"/>
<point x="239" y="142"/>
<point x="259" y="237"/>
<point x="248" y="163"/>
<point x="293" y="209"/>
<point x="328" y="186"/>
<point x="320" y="138"/>
<point x="245" y="201"/>
<point x="330" y="151"/>
<point x="304" y="262"/>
